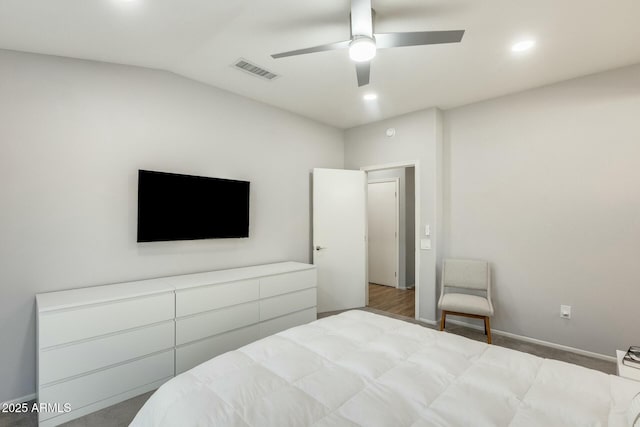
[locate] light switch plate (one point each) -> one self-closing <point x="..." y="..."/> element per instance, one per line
<point x="425" y="243"/>
<point x="427" y="230"/>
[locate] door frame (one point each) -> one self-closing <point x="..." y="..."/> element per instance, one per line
<point x="397" y="241"/>
<point x="397" y="165"/>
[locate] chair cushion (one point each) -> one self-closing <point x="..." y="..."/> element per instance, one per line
<point x="469" y="304"/>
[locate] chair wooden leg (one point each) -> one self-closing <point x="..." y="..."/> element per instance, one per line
<point x="443" y="320"/>
<point x="487" y="328"/>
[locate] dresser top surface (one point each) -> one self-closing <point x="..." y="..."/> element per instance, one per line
<point x="61" y="300"/>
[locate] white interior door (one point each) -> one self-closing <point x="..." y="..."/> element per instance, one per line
<point x="382" y="211"/>
<point x="339" y="230"/>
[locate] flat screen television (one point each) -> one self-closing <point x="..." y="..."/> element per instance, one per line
<point x="186" y="207"/>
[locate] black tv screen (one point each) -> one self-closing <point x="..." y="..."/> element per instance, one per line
<point x="185" y="207"/>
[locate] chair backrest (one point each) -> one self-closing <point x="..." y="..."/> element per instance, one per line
<point x="465" y="273"/>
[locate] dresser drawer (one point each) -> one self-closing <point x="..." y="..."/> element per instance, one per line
<point x="85" y="390"/>
<point x="65" y="326"/>
<point x="216" y="322"/>
<point x="193" y="354"/>
<point x="192" y="301"/>
<point x="289" y="282"/>
<point x="276" y="325"/>
<point x="66" y="361"/>
<point x="287" y="303"/>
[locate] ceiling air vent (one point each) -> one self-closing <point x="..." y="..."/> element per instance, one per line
<point x="254" y="70"/>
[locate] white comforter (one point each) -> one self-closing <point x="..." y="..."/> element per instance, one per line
<point x="361" y="369"/>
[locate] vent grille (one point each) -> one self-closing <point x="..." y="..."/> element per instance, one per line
<point x="254" y="70"/>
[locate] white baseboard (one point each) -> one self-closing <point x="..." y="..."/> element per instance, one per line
<point x="528" y="339"/>
<point x="429" y="322"/>
<point x="22" y="399"/>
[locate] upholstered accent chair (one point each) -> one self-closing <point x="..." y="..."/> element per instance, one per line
<point x="469" y="275"/>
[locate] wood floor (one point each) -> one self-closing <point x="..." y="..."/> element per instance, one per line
<point x="392" y="300"/>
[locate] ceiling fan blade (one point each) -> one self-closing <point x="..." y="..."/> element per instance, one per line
<point x="363" y="71"/>
<point x="361" y="19"/>
<point x="321" y="48"/>
<point x="386" y="40"/>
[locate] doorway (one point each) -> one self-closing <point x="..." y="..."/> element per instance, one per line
<point x="383" y="211"/>
<point x="391" y="247"/>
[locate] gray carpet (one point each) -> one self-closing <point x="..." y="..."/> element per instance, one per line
<point x="122" y="414"/>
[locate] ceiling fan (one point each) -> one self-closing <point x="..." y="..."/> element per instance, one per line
<point x="364" y="42"/>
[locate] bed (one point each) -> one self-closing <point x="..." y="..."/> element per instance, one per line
<point x="362" y="369"/>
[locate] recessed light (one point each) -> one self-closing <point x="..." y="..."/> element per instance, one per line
<point x="523" y="45"/>
<point x="370" y="97"/>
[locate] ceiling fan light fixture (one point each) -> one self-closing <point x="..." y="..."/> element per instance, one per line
<point x="362" y="49"/>
<point x="363" y="42"/>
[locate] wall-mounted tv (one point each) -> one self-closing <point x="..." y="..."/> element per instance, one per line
<point x="186" y="207"/>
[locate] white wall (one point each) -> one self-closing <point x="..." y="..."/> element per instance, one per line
<point x="545" y="185"/>
<point x="72" y="137"/>
<point x="416" y="139"/>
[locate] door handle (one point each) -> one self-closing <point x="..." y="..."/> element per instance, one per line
<point x="319" y="248"/>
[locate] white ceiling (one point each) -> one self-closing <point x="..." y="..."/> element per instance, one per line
<point x="200" y="39"/>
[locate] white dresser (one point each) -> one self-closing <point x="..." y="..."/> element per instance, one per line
<point x="101" y="345"/>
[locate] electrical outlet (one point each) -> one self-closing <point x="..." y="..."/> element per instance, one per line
<point x="565" y="311"/>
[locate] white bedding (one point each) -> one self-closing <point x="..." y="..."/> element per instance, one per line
<point x="361" y="369"/>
